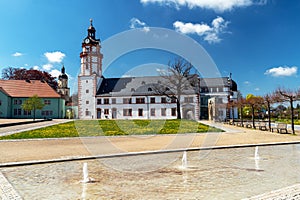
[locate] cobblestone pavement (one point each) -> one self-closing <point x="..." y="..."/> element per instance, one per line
<point x="288" y="193"/>
<point x="7" y="192"/>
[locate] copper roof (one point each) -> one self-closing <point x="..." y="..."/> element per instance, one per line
<point x="22" y="88"/>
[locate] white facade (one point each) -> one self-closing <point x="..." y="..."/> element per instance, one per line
<point x="145" y="107"/>
<point x="90" y="75"/>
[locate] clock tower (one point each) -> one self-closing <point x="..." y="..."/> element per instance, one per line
<point x="90" y="74"/>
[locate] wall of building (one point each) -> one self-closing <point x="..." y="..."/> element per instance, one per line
<point x="86" y="96"/>
<point x="54" y="108"/>
<point x="5" y="105"/>
<point x="114" y="108"/>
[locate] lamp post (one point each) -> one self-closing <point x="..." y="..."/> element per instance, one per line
<point x="229" y="83"/>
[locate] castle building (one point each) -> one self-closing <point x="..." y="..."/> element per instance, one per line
<point x="134" y="97"/>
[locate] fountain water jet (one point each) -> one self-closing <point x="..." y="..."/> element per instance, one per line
<point x="86" y="178"/>
<point x="184" y="160"/>
<point x="256" y="155"/>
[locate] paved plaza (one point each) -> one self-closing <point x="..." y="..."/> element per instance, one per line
<point x="16" y="151"/>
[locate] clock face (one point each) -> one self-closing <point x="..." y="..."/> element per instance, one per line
<point x="87" y="40"/>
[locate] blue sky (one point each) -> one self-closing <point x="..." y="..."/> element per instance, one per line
<point x="256" y="40"/>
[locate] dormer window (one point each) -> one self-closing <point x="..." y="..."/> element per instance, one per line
<point x="132" y="90"/>
<point x="149" y="89"/>
<point x="143" y="83"/>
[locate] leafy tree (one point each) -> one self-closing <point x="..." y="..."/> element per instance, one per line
<point x="255" y="102"/>
<point x="28" y="74"/>
<point x="178" y="80"/>
<point x="32" y="104"/>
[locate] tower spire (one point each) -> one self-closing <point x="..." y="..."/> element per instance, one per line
<point x="91" y="30"/>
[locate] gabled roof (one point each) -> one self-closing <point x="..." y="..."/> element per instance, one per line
<point x="22" y="88"/>
<point x="218" y="82"/>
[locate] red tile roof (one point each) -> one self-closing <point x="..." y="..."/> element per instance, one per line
<point x="22" y="88"/>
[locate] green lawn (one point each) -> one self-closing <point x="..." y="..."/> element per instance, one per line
<point x="85" y="128"/>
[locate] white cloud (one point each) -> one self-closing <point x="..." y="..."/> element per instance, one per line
<point x="56" y="56"/>
<point x="210" y="33"/>
<point x="17" y="54"/>
<point x="247" y="82"/>
<point x="282" y="71"/>
<point x="55" y="73"/>
<point x="256" y="89"/>
<point x="136" y="23"/>
<point x="216" y="5"/>
<point x="36" y="67"/>
<point x="47" y="67"/>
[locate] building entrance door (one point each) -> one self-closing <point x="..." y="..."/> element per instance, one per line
<point x="98" y="113"/>
<point x="114" y="113"/>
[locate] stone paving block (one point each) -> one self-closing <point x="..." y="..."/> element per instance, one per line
<point x="7" y="192"/>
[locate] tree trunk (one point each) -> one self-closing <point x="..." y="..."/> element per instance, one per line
<point x="178" y="108"/>
<point x="253" y="122"/>
<point x="232" y="113"/>
<point x="242" y="121"/>
<point x="34" y="114"/>
<point x="269" y="115"/>
<point x="292" y="115"/>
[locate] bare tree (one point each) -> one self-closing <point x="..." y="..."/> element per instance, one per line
<point x="8" y="72"/>
<point x="268" y="100"/>
<point x="291" y="96"/>
<point x="178" y="81"/>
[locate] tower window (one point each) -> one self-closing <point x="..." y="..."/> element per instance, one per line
<point x="126" y="100"/>
<point x="140" y="100"/>
<point x="86" y="91"/>
<point x="106" y="101"/>
<point x="163" y="112"/>
<point x="173" y="110"/>
<point x="140" y="112"/>
<point x="152" y="111"/>
<point x="127" y="112"/>
<point x="152" y="100"/>
<point x="87" y="102"/>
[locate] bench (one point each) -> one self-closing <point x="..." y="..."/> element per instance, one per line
<point x="239" y="123"/>
<point x="262" y="126"/>
<point x="248" y="124"/>
<point x="280" y="127"/>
